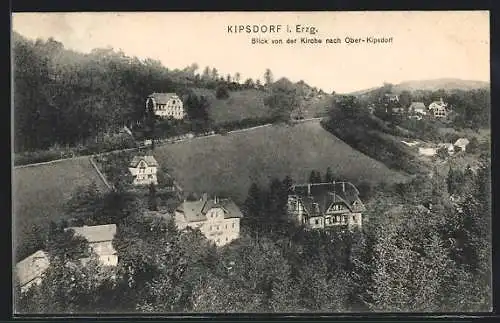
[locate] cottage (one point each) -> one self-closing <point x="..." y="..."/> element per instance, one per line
<point x="144" y="170"/>
<point x="166" y="105"/>
<point x="461" y="143"/>
<point x="324" y="205"/>
<point x="29" y="271"/>
<point x="449" y="147"/>
<point x="394" y="98"/>
<point x="417" y="108"/>
<point x="427" y="151"/>
<point x="439" y="109"/>
<point x="100" y="239"/>
<point x="217" y="218"/>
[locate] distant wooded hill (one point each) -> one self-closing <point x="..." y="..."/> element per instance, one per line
<point x="447" y="84"/>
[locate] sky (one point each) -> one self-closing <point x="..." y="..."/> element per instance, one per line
<point x="425" y="45"/>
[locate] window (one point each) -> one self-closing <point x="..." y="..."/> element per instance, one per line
<point x="317" y="221"/>
<point x="354" y="218"/>
<point x="233" y="224"/>
<point x="226" y="238"/>
<point x="226" y="226"/>
<point x="217" y="227"/>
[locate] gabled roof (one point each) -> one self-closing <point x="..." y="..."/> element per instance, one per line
<point x="162" y="98"/>
<point x="324" y="194"/>
<point x="96" y="233"/>
<point x="149" y="160"/>
<point x="195" y="211"/>
<point x="462" y="142"/>
<point x="32" y="267"/>
<point x="417" y="106"/>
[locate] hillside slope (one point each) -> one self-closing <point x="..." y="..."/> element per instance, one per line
<point x="40" y="192"/>
<point x="446" y="84"/>
<point x="229" y="164"/>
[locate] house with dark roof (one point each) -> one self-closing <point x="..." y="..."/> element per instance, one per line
<point x="217" y="218"/>
<point x="100" y="240"/>
<point x="461" y="143"/>
<point x="439" y="109"/>
<point x="417" y="108"/>
<point x="324" y="205"/>
<point x="166" y="105"/>
<point x="29" y="271"/>
<point x="144" y="170"/>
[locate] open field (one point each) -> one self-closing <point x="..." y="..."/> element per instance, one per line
<point x="229" y="164"/>
<point x="39" y="192"/>
<point x="247" y="104"/>
<point x="240" y="105"/>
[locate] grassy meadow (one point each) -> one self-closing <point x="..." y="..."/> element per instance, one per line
<point x="40" y="192"/>
<point x="229" y="164"/>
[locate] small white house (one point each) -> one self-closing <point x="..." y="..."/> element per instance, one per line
<point x="29" y="271"/>
<point x="144" y="169"/>
<point x="166" y="105"/>
<point x="100" y="239"/>
<point x="417" y="108"/>
<point x="427" y="151"/>
<point x="449" y="147"/>
<point x="462" y="143"/>
<point x="439" y="109"/>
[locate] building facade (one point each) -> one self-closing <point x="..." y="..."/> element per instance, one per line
<point x="324" y="205"/>
<point x="461" y="143"/>
<point x="217" y="218"/>
<point x="417" y="108"/>
<point x="29" y="271"/>
<point x="439" y="109"/>
<point x="100" y="240"/>
<point x="144" y="170"/>
<point x="166" y="105"/>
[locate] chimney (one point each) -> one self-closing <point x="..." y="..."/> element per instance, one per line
<point x="204" y="196"/>
<point x="343" y="187"/>
<point x="216" y="200"/>
<point x="308" y="189"/>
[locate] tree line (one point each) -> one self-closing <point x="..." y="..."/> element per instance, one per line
<point x="66" y="98"/>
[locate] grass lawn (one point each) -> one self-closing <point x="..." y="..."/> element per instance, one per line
<point x="40" y="192"/>
<point x="229" y="164"/>
<point x="240" y="105"/>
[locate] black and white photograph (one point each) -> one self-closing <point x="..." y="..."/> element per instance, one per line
<point x="251" y="162"/>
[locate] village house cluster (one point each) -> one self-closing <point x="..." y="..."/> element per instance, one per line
<point x="416" y="110"/>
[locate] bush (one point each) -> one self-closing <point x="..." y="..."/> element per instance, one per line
<point x="222" y="92"/>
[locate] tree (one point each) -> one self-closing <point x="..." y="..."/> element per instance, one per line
<point x="249" y="83"/>
<point x="268" y="77"/>
<point x="206" y="73"/>
<point x="315" y="177"/>
<point x="222" y="92"/>
<point x="214" y="74"/>
<point x="253" y="209"/>
<point x="237" y="77"/>
<point x="329" y="177"/>
<point x="152" y="199"/>
<point x="282" y="101"/>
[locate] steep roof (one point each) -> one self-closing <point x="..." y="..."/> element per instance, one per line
<point x="150" y="161"/>
<point x="195" y="211"/>
<point x="162" y="98"/>
<point x="324" y="194"/>
<point x="417" y="106"/>
<point x="32" y="267"/>
<point x="462" y="142"/>
<point x="96" y="233"/>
